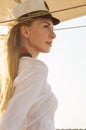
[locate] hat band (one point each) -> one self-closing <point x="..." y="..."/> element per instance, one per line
<point x="35" y="14"/>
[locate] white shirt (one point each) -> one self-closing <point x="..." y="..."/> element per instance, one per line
<point x="33" y="105"/>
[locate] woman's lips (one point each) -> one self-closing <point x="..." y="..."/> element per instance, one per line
<point x="49" y="43"/>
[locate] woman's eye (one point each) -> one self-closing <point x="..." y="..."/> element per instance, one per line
<point x="46" y="26"/>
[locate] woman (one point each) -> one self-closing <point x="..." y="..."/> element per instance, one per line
<point x="28" y="102"/>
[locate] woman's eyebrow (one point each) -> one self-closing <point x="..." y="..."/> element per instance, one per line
<point x="48" y="23"/>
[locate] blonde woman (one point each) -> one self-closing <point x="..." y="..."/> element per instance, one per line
<point x="27" y="102"/>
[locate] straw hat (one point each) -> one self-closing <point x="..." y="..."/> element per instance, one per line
<point x="36" y="7"/>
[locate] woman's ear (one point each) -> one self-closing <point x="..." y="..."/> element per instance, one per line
<point x="24" y="30"/>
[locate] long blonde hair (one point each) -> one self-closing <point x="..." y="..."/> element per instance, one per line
<point x="12" y="61"/>
<point x="13" y="53"/>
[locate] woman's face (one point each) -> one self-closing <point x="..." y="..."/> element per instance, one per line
<point x="40" y="36"/>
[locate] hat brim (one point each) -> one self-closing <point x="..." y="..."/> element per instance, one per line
<point x="55" y="20"/>
<point x="44" y="14"/>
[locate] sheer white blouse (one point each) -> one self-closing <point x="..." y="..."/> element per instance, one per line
<point x="33" y="105"/>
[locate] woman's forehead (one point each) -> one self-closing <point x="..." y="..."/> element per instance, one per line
<point x="44" y="20"/>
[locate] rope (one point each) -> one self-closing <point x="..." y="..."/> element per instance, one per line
<point x="66" y="9"/>
<point x="83" y="26"/>
<point x="70" y="8"/>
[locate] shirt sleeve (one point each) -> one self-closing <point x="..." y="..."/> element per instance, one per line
<point x="28" y="86"/>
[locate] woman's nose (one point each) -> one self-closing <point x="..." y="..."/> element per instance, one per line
<point x="53" y="35"/>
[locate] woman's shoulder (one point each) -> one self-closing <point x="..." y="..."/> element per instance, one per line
<point x="27" y="63"/>
<point x="29" y="67"/>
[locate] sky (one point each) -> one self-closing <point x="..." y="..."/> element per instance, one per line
<point x="67" y="73"/>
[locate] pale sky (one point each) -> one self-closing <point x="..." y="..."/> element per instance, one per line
<point x="67" y="74"/>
